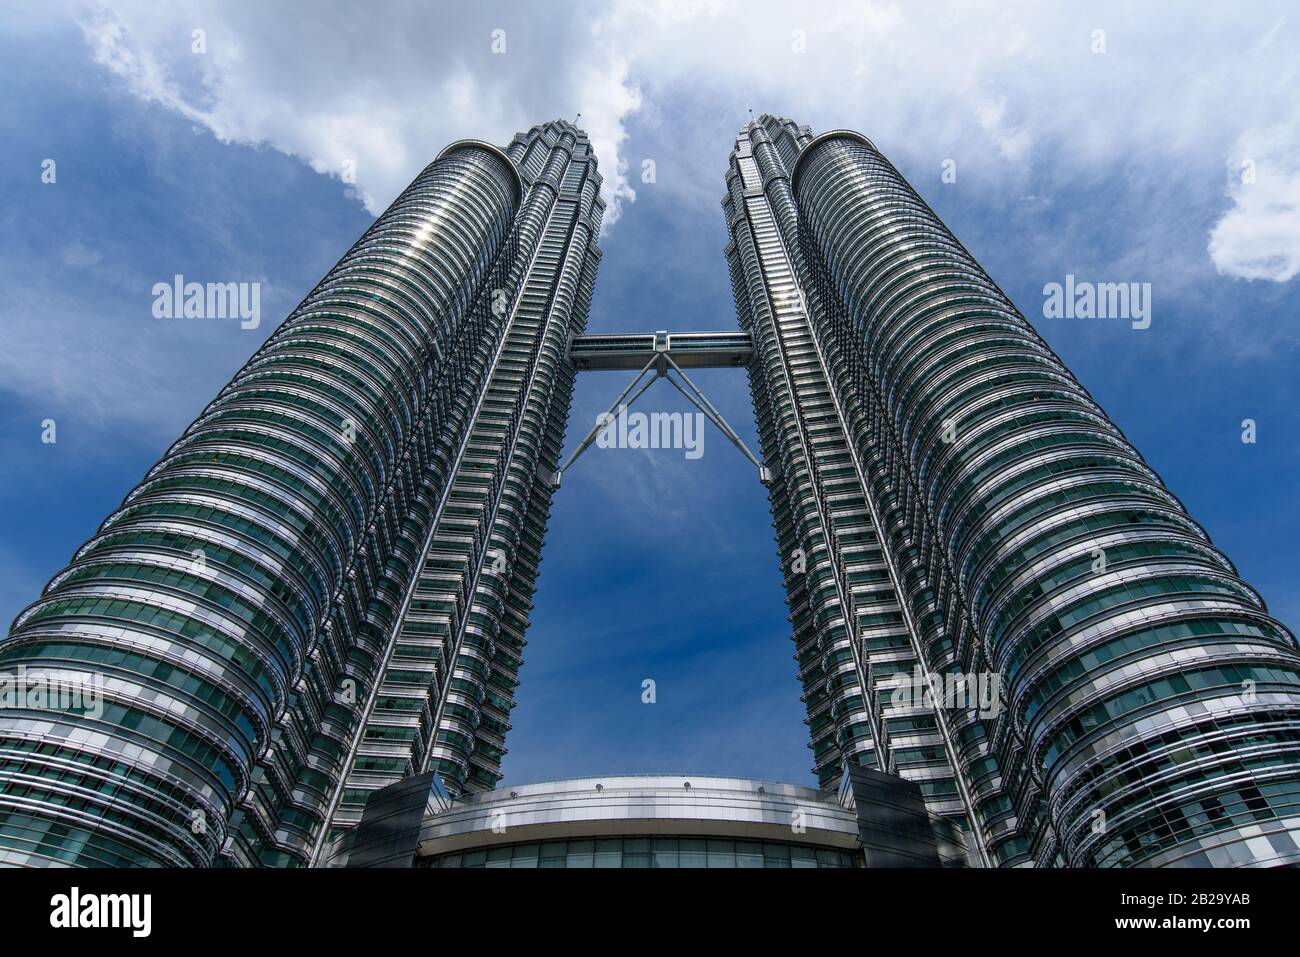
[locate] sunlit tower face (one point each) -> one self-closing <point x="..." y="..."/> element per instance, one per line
<point x="322" y="587"/>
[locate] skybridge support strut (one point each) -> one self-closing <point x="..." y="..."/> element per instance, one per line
<point x="602" y="420"/>
<point x="701" y="402"/>
<point x="720" y="350"/>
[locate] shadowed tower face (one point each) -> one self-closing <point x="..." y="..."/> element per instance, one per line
<point x="323" y="585"/>
<point x="951" y="501"/>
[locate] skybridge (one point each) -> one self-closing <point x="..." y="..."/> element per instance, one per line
<point x="687" y="350"/>
<point x="662" y="355"/>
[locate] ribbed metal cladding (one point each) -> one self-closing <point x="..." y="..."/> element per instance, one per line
<point x="444" y="697"/>
<point x="240" y="607"/>
<point x="853" y="633"/>
<point x="1152" y="704"/>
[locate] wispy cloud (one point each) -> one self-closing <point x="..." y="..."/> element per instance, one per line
<point x="1076" y="88"/>
<point x="370" y="113"/>
<point x="1259" y="237"/>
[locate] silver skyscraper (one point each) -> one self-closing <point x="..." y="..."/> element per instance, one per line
<point x="323" y="585"/>
<point x="955" y="511"/>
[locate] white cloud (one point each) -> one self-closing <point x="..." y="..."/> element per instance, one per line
<point x="379" y="99"/>
<point x="609" y="98"/>
<point x="1006" y="87"/>
<point x="1259" y="237"/>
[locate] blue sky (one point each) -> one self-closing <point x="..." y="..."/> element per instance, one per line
<point x="224" y="166"/>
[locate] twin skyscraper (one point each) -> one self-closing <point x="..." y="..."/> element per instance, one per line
<point x="322" y="589"/>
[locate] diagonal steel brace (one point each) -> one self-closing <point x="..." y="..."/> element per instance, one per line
<point x="658" y="365"/>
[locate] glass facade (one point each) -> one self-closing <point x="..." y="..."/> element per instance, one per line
<point x="648" y="852"/>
